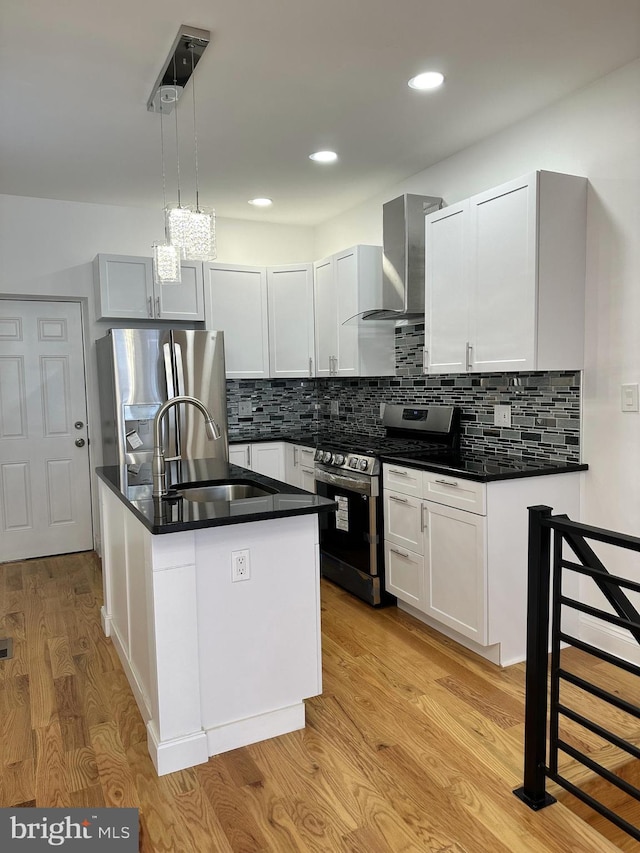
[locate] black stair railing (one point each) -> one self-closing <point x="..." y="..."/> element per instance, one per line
<point x="543" y="742"/>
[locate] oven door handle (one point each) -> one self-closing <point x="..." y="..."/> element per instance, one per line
<point x="362" y="485"/>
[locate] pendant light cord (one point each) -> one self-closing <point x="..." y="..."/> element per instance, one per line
<point x="175" y="109"/>
<point x="195" y="129"/>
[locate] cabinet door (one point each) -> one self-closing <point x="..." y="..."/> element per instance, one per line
<point x="404" y="576"/>
<point x="184" y="301"/>
<point x="447" y="290"/>
<point x="291" y="336"/>
<point x="403" y="521"/>
<point x="503" y="268"/>
<point x="239" y="454"/>
<point x="346" y="285"/>
<point x="124" y="287"/>
<point x="236" y="302"/>
<point x="268" y="458"/>
<point x="326" y="335"/>
<point x="291" y="464"/>
<point x="307" y="479"/>
<point x="456" y="570"/>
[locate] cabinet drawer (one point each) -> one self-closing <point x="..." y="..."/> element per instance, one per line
<point x="403" y="521"/>
<point x="454" y="491"/>
<point x="405" y="575"/>
<point x="401" y="479"/>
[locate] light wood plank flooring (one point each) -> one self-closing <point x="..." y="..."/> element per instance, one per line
<point x="415" y="744"/>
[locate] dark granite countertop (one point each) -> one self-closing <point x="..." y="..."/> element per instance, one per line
<point x="483" y="468"/>
<point x="161" y="515"/>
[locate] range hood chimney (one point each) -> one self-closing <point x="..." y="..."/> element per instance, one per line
<point x="403" y="258"/>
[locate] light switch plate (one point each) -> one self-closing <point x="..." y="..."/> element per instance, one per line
<point x="629" y="401"/>
<point x="335" y="408"/>
<point x="502" y="416"/>
<point x="244" y="409"/>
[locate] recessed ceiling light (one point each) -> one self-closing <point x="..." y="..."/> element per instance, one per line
<point x="324" y="156"/>
<point x="260" y="202"/>
<point x="428" y="80"/>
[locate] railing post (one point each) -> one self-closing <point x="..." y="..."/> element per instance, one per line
<point x="535" y="724"/>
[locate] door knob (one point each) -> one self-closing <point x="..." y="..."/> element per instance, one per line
<point x="78" y="425"/>
<point x="80" y="442"/>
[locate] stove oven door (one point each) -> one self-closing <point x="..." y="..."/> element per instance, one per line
<point x="350" y="536"/>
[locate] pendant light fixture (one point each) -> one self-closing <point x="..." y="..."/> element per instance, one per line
<point x="190" y="233"/>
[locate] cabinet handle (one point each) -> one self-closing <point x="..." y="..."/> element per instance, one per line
<point x="423" y="523"/>
<point x="295" y="456"/>
<point x="397" y="551"/>
<point x="310" y="366"/>
<point x="157" y="306"/>
<point x="469" y="352"/>
<point x="425" y="360"/>
<point x="149" y="306"/>
<point x="248" y="456"/>
<point x="448" y="483"/>
<point x="400" y="500"/>
<point x="395" y="471"/>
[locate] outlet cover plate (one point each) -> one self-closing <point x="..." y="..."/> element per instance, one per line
<point x="335" y="407"/>
<point x="630" y="400"/>
<point x="244" y="409"/>
<point x="502" y="416"/>
<point x="240" y="566"/>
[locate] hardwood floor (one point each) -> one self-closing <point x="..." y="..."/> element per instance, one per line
<point x="415" y="744"/>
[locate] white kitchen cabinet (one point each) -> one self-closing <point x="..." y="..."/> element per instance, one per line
<point x="447" y="291"/>
<point x="456" y="570"/>
<point x="263" y="457"/>
<point x="291" y="326"/>
<point x="456" y="553"/>
<point x="513" y="258"/>
<point x="299" y="466"/>
<point x="125" y="290"/>
<point x="447" y="546"/>
<point x="236" y="303"/>
<point x="345" y="285"/>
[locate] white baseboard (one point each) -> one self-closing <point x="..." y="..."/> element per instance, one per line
<point x="253" y="729"/>
<point x="178" y="754"/>
<point x="106" y="622"/>
<point x="609" y="638"/>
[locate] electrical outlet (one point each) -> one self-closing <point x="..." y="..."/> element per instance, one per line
<point x="335" y="408"/>
<point x="240" y="566"/>
<point x="244" y="409"/>
<point x="502" y="416"/>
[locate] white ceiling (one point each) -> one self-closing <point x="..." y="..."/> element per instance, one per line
<point x="280" y="79"/>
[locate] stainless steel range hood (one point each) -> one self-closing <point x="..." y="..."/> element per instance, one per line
<point x="403" y="258"/>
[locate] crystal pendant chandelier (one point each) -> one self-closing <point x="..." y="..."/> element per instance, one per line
<point x="190" y="233"/>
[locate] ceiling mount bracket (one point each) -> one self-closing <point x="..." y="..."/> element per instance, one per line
<point x="185" y="53"/>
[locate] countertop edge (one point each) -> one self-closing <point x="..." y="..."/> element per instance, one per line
<point x="552" y="469"/>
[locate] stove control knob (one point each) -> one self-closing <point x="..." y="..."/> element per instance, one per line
<point x="353" y="462"/>
<point x="364" y="464"/>
<point x="317" y="456"/>
<point x="338" y="459"/>
<point x="327" y="456"/>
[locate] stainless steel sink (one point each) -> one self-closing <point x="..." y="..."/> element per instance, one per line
<point x="221" y="491"/>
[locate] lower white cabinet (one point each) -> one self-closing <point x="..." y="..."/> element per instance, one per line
<point x="299" y="467"/>
<point x="436" y="555"/>
<point x="456" y="552"/>
<point x="263" y="457"/>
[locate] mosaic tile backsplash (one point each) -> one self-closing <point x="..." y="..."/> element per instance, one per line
<point x="545" y="407"/>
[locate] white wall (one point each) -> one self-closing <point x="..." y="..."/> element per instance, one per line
<point x="596" y="133"/>
<point x="68" y="235"/>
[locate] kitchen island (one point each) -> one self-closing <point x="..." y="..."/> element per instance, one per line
<point x="213" y="607"/>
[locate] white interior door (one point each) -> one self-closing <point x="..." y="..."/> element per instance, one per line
<point x="45" y="499"/>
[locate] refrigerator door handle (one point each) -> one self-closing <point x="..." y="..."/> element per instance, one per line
<point x="180" y="412"/>
<point x="170" y="430"/>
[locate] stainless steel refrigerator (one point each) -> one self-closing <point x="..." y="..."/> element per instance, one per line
<point x="138" y="369"/>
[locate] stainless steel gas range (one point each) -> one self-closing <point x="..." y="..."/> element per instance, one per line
<point x="347" y="471"/>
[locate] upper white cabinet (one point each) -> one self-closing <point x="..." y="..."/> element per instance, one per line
<point x="236" y="303"/>
<point x="345" y="285"/>
<point x="291" y="327"/>
<point x="125" y="290"/>
<point x="505" y="278"/>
